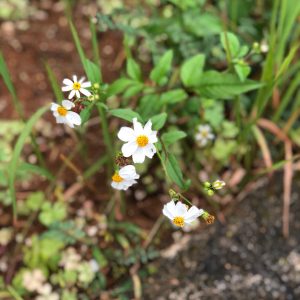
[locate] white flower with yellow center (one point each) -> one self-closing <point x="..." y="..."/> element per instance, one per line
<point x="204" y="135"/>
<point x="76" y="87"/>
<point x="218" y="184"/>
<point x="139" y="141"/>
<point x="180" y="214"/>
<point x="63" y="114"/>
<point x="124" y="178"/>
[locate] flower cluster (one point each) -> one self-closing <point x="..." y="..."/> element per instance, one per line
<point x="139" y="144"/>
<point x="211" y="188"/>
<point x="63" y="112"/>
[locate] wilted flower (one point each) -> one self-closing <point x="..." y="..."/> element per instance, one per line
<point x="139" y="141"/>
<point x="209" y="219"/>
<point x="180" y="214"/>
<point x="204" y="135"/>
<point x="70" y="259"/>
<point x="63" y="114"/>
<point x="76" y="87"/>
<point x="218" y="184"/>
<point x="33" y="280"/>
<point x="124" y="178"/>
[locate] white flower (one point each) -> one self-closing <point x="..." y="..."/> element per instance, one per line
<point x="94" y="265"/>
<point x="52" y="296"/>
<point x="45" y="289"/>
<point x="124" y="178"/>
<point x="63" y="114"/>
<point x="33" y="280"/>
<point x="139" y="141"/>
<point x="70" y="259"/>
<point x="180" y="214"/>
<point x="204" y="134"/>
<point x="76" y="87"/>
<point x="218" y="184"/>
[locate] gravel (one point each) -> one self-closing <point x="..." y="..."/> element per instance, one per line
<point x="247" y="258"/>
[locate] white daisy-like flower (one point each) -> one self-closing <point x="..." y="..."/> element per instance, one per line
<point x="124" y="178"/>
<point x="180" y="214"/>
<point x="218" y="184"/>
<point x="64" y="115"/>
<point x="33" y="280"/>
<point x="76" y="87"/>
<point x="204" y="135"/>
<point x="139" y="141"/>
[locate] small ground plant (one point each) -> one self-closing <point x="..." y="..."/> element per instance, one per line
<point x="183" y="124"/>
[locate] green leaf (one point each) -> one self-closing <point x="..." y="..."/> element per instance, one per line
<point x="119" y="86"/>
<point x="54" y="84"/>
<point x="171" y="137"/>
<point x="92" y="71"/>
<point x="192" y="69"/>
<point x="100" y="258"/>
<point x="242" y="70"/>
<point x="233" y="46"/>
<point x="174" y="171"/>
<point x="133" y="69"/>
<point x="133" y="90"/>
<point x="26" y="167"/>
<point x="149" y="105"/>
<point x="125" y="114"/>
<point x="217" y="85"/>
<point x="172" y="97"/>
<point x="52" y="213"/>
<point x="159" y="121"/>
<point x="162" y="68"/>
<point x="35" y="200"/>
<point x="17" y="153"/>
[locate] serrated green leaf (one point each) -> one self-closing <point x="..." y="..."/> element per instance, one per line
<point x="133" y="69"/>
<point x="162" y="68"/>
<point x="171" y="137"/>
<point x="159" y="121"/>
<point x="125" y="114"/>
<point x="213" y="84"/>
<point x="192" y="69"/>
<point x="174" y="170"/>
<point x="233" y="46"/>
<point x="172" y="97"/>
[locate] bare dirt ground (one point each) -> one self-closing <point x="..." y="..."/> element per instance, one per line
<point x="246" y="258"/>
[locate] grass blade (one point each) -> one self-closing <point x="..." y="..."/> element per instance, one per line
<point x="17" y="152"/>
<point x="54" y="84"/>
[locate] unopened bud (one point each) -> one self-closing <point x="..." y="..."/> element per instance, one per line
<point x="209" y="219"/>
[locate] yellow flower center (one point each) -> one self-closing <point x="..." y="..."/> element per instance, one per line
<point x="117" y="178"/>
<point x="178" y="221"/>
<point x="142" y="140"/>
<point x="76" y="85"/>
<point x="204" y="134"/>
<point x="62" y="111"/>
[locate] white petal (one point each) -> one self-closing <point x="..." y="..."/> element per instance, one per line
<point x="116" y="185"/>
<point x="54" y="106"/>
<point x="147" y="128"/>
<point x="129" y="148"/>
<point x="67" y="104"/>
<point x="81" y="80"/>
<point x="86" y="84"/>
<point x="167" y="213"/>
<point x="127" y="172"/>
<point x="71" y="95"/>
<point x="210" y="136"/>
<point x="67" y="81"/>
<point x="85" y="92"/>
<point x="67" y="88"/>
<point x="77" y="94"/>
<point x="149" y="150"/>
<point x="181" y="208"/>
<point x="170" y="208"/>
<point x="192" y="214"/>
<point x="61" y="120"/>
<point x="55" y="114"/>
<point x="126" y="134"/>
<point x="138" y="156"/>
<point x="138" y="128"/>
<point x="74" y="78"/>
<point x="152" y="137"/>
<point x="73" y="118"/>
